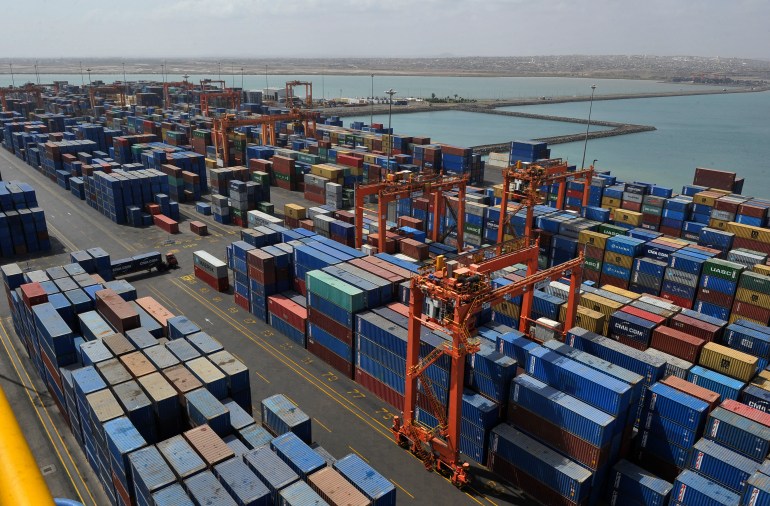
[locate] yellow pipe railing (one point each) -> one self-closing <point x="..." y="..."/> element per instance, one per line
<point x="20" y="479"/>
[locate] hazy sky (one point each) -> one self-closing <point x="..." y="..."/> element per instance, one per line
<point x="398" y="28"/>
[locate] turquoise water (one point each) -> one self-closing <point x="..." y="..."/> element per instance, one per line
<point x="333" y="86"/>
<point x="463" y="128"/>
<point x="727" y="132"/>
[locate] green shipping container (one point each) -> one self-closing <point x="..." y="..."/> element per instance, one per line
<point x="655" y="211"/>
<point x="308" y="158"/>
<point x="756" y="282"/>
<point x="472" y="229"/>
<point x="336" y="291"/>
<point x="612" y="230"/>
<point x="724" y="269"/>
<point x="260" y="177"/>
<point x="593" y="264"/>
<point x="266" y="207"/>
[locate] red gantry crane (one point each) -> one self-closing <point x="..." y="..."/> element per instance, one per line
<point x="407" y="186"/>
<point x="455" y="295"/>
<point x="28" y="91"/>
<point x="217" y="90"/>
<point x="290" y="85"/>
<point x="522" y="183"/>
<point x="453" y="301"/>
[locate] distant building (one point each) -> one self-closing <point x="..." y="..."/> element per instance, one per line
<point x="274" y="94"/>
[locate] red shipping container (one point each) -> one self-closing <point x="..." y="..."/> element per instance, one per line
<point x="306" y="224"/>
<point x="697" y="391"/>
<point x="589" y="275"/>
<point x="646" y="315"/>
<point x="630" y="342"/>
<point x="345" y="216"/>
<point x="746" y="411"/>
<point x="199" y="228"/>
<point x="165" y="223"/>
<point x="757" y="313"/>
<point x="613" y="281"/>
<point x="742" y="242"/>
<point x="33" y="294"/>
<point x="414" y="249"/>
<point x="631" y="206"/>
<point x="242" y="302"/>
<point x="679" y="301"/>
<point x="334" y="360"/>
<point x="574" y="447"/>
<point x="288" y="310"/>
<point x="218" y="284"/>
<point x="713" y="178"/>
<point x="299" y="286"/>
<point x="673" y="232"/>
<point x="388" y="266"/>
<point x="379" y="389"/>
<point x="752" y="209"/>
<point x="714" y="297"/>
<point x="677" y="343"/>
<point x="119" y="313"/>
<point x="695" y="327"/>
<point x="399" y="308"/>
<point x="334" y="328"/>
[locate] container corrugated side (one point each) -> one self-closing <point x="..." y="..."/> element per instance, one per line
<point x="273" y="471"/>
<point x="371" y="483"/>
<point x="204" y="488"/>
<point x="300" y="494"/>
<point x="738" y="434"/>
<point x="182" y="458"/>
<point x="242" y="483"/>
<point x="297" y="454"/>
<point x="335" y="489"/>
<point x="631" y="482"/>
<point x="722" y="465"/>
<point x="733" y="363"/>
<point x="692" y="488"/>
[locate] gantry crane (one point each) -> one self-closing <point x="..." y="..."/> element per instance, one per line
<point x="187" y="85"/>
<point x="429" y="184"/>
<point x="222" y="127"/>
<point x="522" y="183"/>
<point x="308" y="93"/>
<point x="212" y="90"/>
<point x="117" y="92"/>
<point x="28" y="90"/>
<point x="454" y="301"/>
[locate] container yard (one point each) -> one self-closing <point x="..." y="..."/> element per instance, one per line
<point x="215" y="299"/>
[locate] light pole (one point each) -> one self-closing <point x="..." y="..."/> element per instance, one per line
<point x="585" y="143"/>
<point x="219" y="67"/>
<point x="82" y="80"/>
<point x="89" y="76"/>
<point x="13" y="82"/>
<point x="371" y="111"/>
<point x="37" y="75"/>
<point x="241" y="79"/>
<point x="125" y="84"/>
<point x="390" y="94"/>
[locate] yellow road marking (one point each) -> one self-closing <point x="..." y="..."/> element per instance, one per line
<point x="322" y="425"/>
<point x="356" y="452"/>
<point x="263" y="378"/>
<point x="402" y="488"/>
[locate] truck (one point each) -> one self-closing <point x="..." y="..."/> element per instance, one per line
<point x="144" y="262"/>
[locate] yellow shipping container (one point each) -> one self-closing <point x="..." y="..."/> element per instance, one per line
<point x="718" y="224"/>
<point x="762" y="269"/>
<point x="764" y="374"/>
<point x="630" y="217"/>
<point x="622" y="292"/>
<point x="370" y="158"/>
<point x="600" y="304"/>
<point x="749" y="232"/>
<point x="211" y="163"/>
<point x="753" y="297"/>
<point x="593" y="238"/>
<point x="585" y="318"/>
<point x="735" y="317"/>
<point x="733" y="363"/>
<point x="295" y="211"/>
<point x="610" y="202"/>
<point x="498" y="189"/>
<point x="707" y="198"/>
<point x="618" y="259"/>
<point x="330" y="172"/>
<point x="508" y="309"/>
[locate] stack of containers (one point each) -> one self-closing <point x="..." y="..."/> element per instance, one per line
<point x="749" y="259"/>
<point x="262" y="268"/>
<point x="630" y="482"/>
<point x="652" y="209"/>
<point x="593" y="245"/>
<point x="717" y="287"/>
<point x="331" y="306"/>
<point x="682" y="275"/>
<point x="675" y="212"/>
<point x="211" y="270"/>
<point x="647" y="275"/>
<point x="473" y="229"/>
<point x="22" y="224"/>
<point x="220" y="209"/>
<point x="238" y="260"/>
<point x="562" y="391"/>
<point x="289" y="317"/>
<point x="671" y="422"/>
<point x="618" y="260"/>
<point x="752" y="299"/>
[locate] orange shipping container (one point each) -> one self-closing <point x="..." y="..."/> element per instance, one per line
<point x="157" y="311"/>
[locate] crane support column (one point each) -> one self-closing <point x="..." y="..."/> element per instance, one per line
<point x="437" y="215"/>
<point x="587" y="186"/>
<point x="461" y="217"/>
<point x="528" y="297"/>
<point x="416" y="304"/>
<point x="503" y="208"/>
<point x="572" y="300"/>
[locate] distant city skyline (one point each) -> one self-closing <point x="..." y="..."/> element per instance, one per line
<point x="384" y="28"/>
